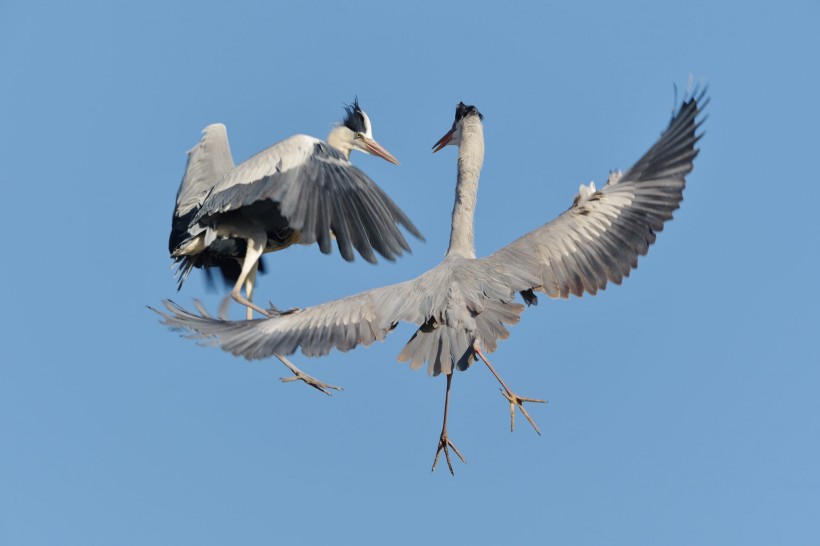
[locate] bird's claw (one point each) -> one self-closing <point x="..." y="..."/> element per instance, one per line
<point x="274" y="311"/>
<point x="299" y="375"/>
<point x="516" y="400"/>
<point x="312" y="381"/>
<point x="443" y="443"/>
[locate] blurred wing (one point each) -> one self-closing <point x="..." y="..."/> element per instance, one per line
<point x="601" y="236"/>
<point x="341" y="324"/>
<point x="320" y="194"/>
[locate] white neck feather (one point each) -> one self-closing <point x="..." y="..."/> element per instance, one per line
<point x="470" y="160"/>
<point x="341" y="138"/>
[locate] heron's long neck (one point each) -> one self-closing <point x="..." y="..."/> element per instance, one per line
<point x="341" y="138"/>
<point x="470" y="159"/>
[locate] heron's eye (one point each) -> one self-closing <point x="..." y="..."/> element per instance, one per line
<point x="359" y="136"/>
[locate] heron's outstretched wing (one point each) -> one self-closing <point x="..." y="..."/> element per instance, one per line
<point x="208" y="162"/>
<point x="601" y="236"/>
<point x="453" y="303"/>
<point x="341" y="324"/>
<point x="320" y="194"/>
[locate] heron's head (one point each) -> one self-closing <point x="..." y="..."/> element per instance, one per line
<point x="361" y="133"/>
<point x="453" y="136"/>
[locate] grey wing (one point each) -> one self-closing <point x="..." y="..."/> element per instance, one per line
<point x="341" y="324"/>
<point x="601" y="236"/>
<point x="208" y="162"/>
<point x="320" y="194"/>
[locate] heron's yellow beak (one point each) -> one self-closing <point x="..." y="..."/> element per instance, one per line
<point x="377" y="149"/>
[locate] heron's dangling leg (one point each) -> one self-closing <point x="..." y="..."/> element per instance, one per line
<point x="302" y="376"/>
<point x="256" y="238"/>
<point x="249" y="282"/>
<point x="514" y="399"/>
<point x="444" y="441"/>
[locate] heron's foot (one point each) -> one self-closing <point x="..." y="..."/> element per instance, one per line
<point x="516" y="400"/>
<point x="312" y="381"/>
<point x="299" y="375"/>
<point x="274" y="311"/>
<point x="443" y="444"/>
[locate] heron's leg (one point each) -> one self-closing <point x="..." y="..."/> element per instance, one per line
<point x="249" y="282"/>
<point x="302" y="376"/>
<point x="514" y="399"/>
<point x="444" y="441"/>
<point x="256" y="239"/>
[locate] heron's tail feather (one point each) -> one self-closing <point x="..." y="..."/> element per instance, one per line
<point x="442" y="347"/>
<point x="446" y="348"/>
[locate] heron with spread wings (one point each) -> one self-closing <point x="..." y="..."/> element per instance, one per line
<point x="301" y="190"/>
<point x="464" y="305"/>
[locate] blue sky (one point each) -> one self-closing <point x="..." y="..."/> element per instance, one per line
<point x="683" y="405"/>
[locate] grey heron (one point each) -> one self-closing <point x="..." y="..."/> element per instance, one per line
<point x="301" y="190"/>
<point x="463" y="305"/>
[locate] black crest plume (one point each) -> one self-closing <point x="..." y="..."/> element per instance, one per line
<point x="354" y="120"/>
<point x="463" y="110"/>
